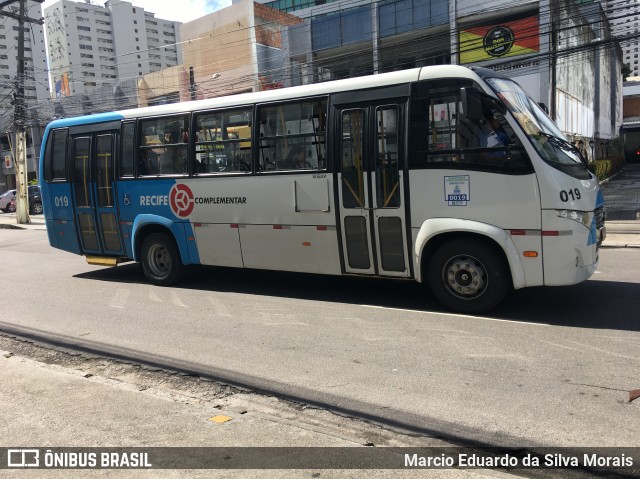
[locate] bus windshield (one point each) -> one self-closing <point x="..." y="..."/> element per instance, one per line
<point x="546" y="137"/>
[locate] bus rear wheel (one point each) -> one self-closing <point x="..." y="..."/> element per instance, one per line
<point x="468" y="276"/>
<point x="161" y="262"/>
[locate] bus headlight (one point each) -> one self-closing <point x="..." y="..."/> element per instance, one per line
<point x="583" y="217"/>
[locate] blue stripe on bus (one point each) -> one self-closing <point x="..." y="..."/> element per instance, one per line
<point x="146" y="202"/>
<point x="593" y="232"/>
<point x="85" y="120"/>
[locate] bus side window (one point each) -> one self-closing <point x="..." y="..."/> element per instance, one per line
<point x="162" y="150"/>
<point x="441" y="136"/>
<point x="128" y="150"/>
<point x="293" y="136"/>
<point x="223" y="142"/>
<point x="56" y="156"/>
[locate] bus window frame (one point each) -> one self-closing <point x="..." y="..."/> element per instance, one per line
<point x="427" y="90"/>
<point x="138" y="137"/>
<point x="120" y="150"/>
<point x="192" y="141"/>
<point x="48" y="170"/>
<point x="292" y="101"/>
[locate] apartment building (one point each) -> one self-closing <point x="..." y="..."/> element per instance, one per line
<point x="91" y="46"/>
<point x="624" y="18"/>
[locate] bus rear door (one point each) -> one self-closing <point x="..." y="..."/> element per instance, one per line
<point x="371" y="190"/>
<point x="94" y="195"/>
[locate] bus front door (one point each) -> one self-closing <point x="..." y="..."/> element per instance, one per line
<point x="371" y="190"/>
<point x="93" y="192"/>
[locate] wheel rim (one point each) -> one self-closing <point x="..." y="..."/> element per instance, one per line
<point x="465" y="277"/>
<point x="37" y="208"/>
<point x="159" y="261"/>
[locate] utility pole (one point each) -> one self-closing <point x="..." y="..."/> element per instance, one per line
<point x="20" y="112"/>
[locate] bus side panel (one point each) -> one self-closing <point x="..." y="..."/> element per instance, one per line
<point x="569" y="257"/>
<point x="146" y="203"/>
<point x="280" y="222"/>
<point x="509" y="202"/>
<point x="61" y="226"/>
<point x="570" y="247"/>
<point x="218" y="244"/>
<point x="304" y="249"/>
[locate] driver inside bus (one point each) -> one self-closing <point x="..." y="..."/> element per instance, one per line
<point x="495" y="136"/>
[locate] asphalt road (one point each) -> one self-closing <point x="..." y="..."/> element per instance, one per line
<point x="551" y="367"/>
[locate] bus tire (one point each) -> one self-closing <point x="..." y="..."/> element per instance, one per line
<point x="468" y="276"/>
<point x="160" y="260"/>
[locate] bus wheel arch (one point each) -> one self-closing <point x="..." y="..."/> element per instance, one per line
<point x="159" y="255"/>
<point x="466" y="272"/>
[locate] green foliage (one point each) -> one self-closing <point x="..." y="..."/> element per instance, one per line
<point x="33" y="182"/>
<point x="603" y="169"/>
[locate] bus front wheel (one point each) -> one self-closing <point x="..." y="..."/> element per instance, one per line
<point x="161" y="262"/>
<point x="468" y="276"/>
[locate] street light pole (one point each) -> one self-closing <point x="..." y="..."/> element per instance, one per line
<point x="22" y="203"/>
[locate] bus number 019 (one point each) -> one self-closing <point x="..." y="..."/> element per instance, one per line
<point x="61" y="201"/>
<point x="574" y="194"/>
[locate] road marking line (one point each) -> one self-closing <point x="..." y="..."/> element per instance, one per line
<point x="119" y="299"/>
<point x="290" y="323"/>
<point x="177" y="301"/>
<point x="454" y="315"/>
<point x="557" y="345"/>
<point x="219" y="308"/>
<point x="153" y="296"/>
<point x="604" y="351"/>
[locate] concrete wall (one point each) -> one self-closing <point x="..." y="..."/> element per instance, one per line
<point x="221" y="44"/>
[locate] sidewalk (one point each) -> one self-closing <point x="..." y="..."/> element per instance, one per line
<point x="56" y="400"/>
<point x="8" y="221"/>
<point x="622" y="201"/>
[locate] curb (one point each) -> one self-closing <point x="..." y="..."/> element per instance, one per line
<point x="623" y="227"/>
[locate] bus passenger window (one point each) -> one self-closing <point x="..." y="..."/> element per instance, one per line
<point x="223" y="142"/>
<point x="162" y="150"/>
<point x="56" y="156"/>
<point x="293" y="136"/>
<point x="128" y="150"/>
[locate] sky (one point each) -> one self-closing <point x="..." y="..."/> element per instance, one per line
<point x="176" y="10"/>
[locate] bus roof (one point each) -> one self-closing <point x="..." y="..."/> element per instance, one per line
<point x="309" y="90"/>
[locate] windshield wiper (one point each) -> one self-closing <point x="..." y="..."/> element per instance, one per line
<point x="565" y="145"/>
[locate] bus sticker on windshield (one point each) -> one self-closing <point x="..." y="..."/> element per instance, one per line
<point x="456" y="190"/>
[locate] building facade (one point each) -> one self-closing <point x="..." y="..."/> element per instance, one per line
<point x="236" y="49"/>
<point x="562" y="52"/>
<point x="35" y="85"/>
<point x="91" y="46"/>
<point x="624" y="17"/>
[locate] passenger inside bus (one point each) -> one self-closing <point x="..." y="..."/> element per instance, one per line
<point x="296" y="158"/>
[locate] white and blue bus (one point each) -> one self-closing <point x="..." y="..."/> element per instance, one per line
<point x="444" y="175"/>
